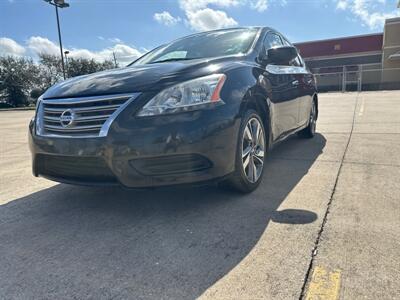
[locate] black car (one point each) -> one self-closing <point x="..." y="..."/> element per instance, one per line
<point x="204" y="108"/>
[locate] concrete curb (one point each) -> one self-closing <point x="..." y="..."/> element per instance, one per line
<point x="17" y="108"/>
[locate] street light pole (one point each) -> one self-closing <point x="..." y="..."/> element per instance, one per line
<point x="59" y="39"/>
<point x="59" y="4"/>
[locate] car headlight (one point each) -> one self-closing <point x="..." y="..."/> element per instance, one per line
<point x="38" y="115"/>
<point x="190" y="95"/>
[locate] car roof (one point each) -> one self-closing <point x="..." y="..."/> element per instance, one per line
<point x="232" y="28"/>
<point x="221" y="29"/>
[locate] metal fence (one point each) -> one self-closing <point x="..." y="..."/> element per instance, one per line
<point x="357" y="78"/>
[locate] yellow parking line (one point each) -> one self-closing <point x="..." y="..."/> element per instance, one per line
<point x="324" y="285"/>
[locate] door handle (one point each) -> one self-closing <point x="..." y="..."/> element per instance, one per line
<point x="295" y="82"/>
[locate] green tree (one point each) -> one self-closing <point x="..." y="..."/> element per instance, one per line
<point x="21" y="77"/>
<point x="81" y="66"/>
<point x="50" y="70"/>
<point x="18" y="76"/>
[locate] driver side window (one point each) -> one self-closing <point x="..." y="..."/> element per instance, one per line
<point x="172" y="55"/>
<point x="272" y="40"/>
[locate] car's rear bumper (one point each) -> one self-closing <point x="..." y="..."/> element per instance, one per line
<point x="186" y="148"/>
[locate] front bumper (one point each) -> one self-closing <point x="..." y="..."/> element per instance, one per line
<point x="143" y="152"/>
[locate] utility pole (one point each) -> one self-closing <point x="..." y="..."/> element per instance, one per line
<point x="115" y="60"/>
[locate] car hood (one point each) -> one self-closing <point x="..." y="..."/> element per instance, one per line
<point x="150" y="77"/>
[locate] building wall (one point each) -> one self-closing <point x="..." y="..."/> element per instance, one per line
<point x="366" y="62"/>
<point x="346" y="60"/>
<point x="391" y="43"/>
<point x="391" y="54"/>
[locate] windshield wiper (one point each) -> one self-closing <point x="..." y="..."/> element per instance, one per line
<point x="173" y="59"/>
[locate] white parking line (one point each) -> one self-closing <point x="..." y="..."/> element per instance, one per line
<point x="362" y="107"/>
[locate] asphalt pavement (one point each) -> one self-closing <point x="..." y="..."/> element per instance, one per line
<point x="325" y="222"/>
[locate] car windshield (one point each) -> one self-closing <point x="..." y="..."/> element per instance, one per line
<point x="208" y="44"/>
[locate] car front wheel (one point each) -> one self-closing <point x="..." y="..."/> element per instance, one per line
<point x="250" y="154"/>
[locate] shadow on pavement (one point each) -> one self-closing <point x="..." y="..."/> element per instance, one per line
<point x="75" y="242"/>
<point x="294" y="216"/>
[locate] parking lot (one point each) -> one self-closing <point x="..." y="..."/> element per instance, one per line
<point x="324" y="222"/>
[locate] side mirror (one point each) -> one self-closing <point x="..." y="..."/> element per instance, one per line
<point x="279" y="55"/>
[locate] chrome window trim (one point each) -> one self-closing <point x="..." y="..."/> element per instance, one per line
<point x="104" y="128"/>
<point x="256" y="39"/>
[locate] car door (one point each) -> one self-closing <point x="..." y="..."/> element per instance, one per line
<point x="307" y="93"/>
<point x="283" y="92"/>
<point x="303" y="81"/>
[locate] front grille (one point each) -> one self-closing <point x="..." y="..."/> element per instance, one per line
<point x="80" y="117"/>
<point x="84" y="169"/>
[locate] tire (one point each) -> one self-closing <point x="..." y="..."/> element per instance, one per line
<point x="309" y="131"/>
<point x="249" y="167"/>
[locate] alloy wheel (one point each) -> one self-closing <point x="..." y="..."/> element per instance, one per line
<point x="253" y="150"/>
<point x="313" y="118"/>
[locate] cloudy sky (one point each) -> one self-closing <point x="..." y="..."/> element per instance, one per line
<point x="97" y="28"/>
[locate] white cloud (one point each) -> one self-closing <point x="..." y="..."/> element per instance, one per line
<point x="10" y="47"/>
<point x="207" y="14"/>
<point x="39" y="44"/>
<point x="201" y="17"/>
<point x="115" y="40"/>
<point x="342" y="4"/>
<point x="259" y="5"/>
<point x="123" y="53"/>
<point x="36" y="45"/>
<point x="370" y="13"/>
<point x="166" y="18"/>
<point x="193" y="5"/>
<point x="208" y="19"/>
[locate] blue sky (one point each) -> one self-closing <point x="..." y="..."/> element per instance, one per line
<point x="95" y="28"/>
